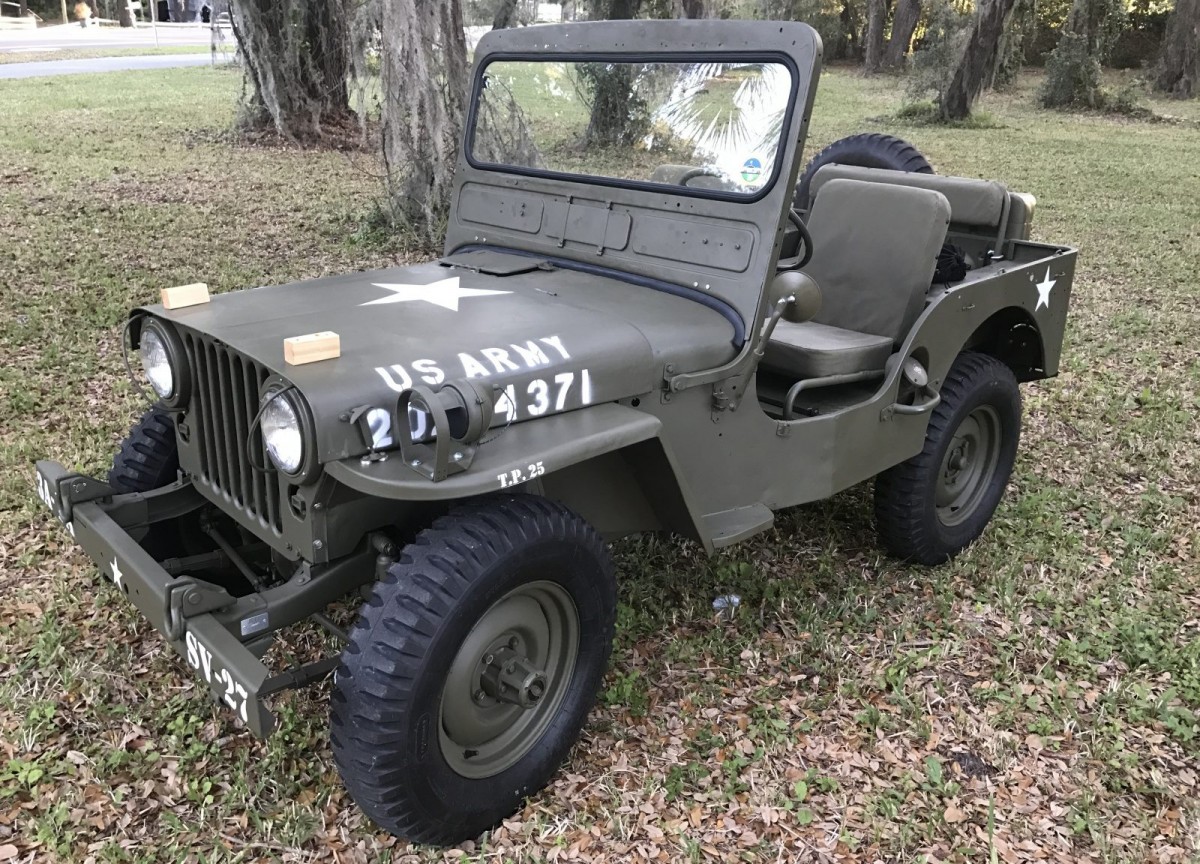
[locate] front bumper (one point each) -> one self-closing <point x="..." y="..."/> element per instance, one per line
<point x="179" y="607"/>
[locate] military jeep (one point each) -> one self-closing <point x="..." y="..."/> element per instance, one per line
<point x="645" y="319"/>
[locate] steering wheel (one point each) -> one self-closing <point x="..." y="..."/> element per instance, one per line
<point x="798" y="261"/>
<point x="692" y="173"/>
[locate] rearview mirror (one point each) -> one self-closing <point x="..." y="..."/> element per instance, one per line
<point x="805" y="294"/>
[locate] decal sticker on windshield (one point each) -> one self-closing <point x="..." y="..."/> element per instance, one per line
<point x="752" y="170"/>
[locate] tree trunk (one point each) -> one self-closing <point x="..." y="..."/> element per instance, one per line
<point x="904" y="24"/>
<point x="1179" y="65"/>
<point x="424" y="77"/>
<point x="297" y="63"/>
<point x="610" y="88"/>
<point x="124" y="15"/>
<point x="23" y="8"/>
<point x="873" y="38"/>
<point x="693" y="8"/>
<point x="979" y="55"/>
<point x="849" y="18"/>
<point x="504" y="14"/>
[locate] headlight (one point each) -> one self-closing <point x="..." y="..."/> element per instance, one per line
<point x="282" y="433"/>
<point x="156" y="360"/>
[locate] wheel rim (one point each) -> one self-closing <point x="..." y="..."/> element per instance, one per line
<point x="968" y="466"/>
<point x="508" y="679"/>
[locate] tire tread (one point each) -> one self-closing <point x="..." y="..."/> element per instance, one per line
<point x="901" y="492"/>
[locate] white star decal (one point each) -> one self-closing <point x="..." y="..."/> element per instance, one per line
<point x="444" y="293"/>
<point x="1044" y="291"/>
<point x="117" y="574"/>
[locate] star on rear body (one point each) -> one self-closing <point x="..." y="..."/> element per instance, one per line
<point x="445" y="293"/>
<point x="1043" y="289"/>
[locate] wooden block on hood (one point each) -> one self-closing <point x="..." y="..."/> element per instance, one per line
<point x="185" y="295"/>
<point x="311" y="347"/>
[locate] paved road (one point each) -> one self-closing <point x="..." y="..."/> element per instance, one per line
<point x="100" y="64"/>
<point x="62" y="36"/>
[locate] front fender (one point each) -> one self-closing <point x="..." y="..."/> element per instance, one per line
<point x="523" y="451"/>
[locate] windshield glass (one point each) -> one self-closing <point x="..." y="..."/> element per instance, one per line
<point x="702" y="125"/>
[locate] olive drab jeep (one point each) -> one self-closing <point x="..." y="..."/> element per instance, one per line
<point x="645" y="319"/>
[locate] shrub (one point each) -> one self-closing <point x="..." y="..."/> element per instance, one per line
<point x="1072" y="75"/>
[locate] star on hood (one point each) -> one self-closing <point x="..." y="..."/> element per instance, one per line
<point x="445" y="293"/>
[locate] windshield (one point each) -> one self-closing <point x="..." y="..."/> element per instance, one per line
<point x="701" y="125"/>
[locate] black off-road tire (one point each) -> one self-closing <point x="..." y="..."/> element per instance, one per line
<point x="867" y="150"/>
<point x="149" y="456"/>
<point x="979" y="391"/>
<point x="386" y="730"/>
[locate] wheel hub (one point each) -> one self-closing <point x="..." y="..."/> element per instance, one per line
<point x="508" y="679"/>
<point x="968" y="466"/>
<point x="511" y="677"/>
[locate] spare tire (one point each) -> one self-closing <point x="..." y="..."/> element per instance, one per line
<point x="867" y="150"/>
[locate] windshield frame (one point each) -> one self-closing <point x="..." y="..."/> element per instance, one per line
<point x="677" y="57"/>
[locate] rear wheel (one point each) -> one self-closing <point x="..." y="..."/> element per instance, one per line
<point x="473" y="666"/>
<point x="932" y="506"/>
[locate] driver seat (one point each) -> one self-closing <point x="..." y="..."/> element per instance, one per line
<point x="875" y="247"/>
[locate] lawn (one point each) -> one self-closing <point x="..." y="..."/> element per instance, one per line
<point x="1037" y="699"/>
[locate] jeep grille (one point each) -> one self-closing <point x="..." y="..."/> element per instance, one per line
<point x="225" y="387"/>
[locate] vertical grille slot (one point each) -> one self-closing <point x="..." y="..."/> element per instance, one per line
<point x="225" y="391"/>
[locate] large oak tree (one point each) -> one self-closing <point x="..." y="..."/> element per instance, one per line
<point x="297" y="56"/>
<point x="978" y="59"/>
<point x="1178" y="70"/>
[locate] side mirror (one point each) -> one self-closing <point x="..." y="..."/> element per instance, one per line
<point x="805" y="294"/>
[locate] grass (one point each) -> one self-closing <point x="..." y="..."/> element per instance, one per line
<point x="1037" y="697"/>
<point x="90" y="53"/>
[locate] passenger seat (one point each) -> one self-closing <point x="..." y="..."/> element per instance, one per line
<point x="875" y="247"/>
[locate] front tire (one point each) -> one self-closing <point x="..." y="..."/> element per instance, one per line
<point x="931" y="507"/>
<point x="472" y="667"/>
<point x="148" y="458"/>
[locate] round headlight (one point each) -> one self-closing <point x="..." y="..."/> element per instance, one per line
<point x="282" y="434"/>
<point x="157" y="362"/>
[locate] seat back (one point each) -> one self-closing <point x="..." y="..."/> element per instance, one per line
<point x="875" y="247"/>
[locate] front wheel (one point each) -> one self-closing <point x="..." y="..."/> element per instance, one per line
<point x="473" y="666"/>
<point x="931" y="507"/>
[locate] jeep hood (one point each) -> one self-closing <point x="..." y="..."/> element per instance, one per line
<point x="550" y="340"/>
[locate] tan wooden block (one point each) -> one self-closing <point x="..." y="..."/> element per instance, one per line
<point x="311" y="347"/>
<point x="185" y="295"/>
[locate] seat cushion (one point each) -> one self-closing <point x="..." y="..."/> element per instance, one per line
<point x="974" y="203"/>
<point x="875" y="247"/>
<point x="812" y="350"/>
